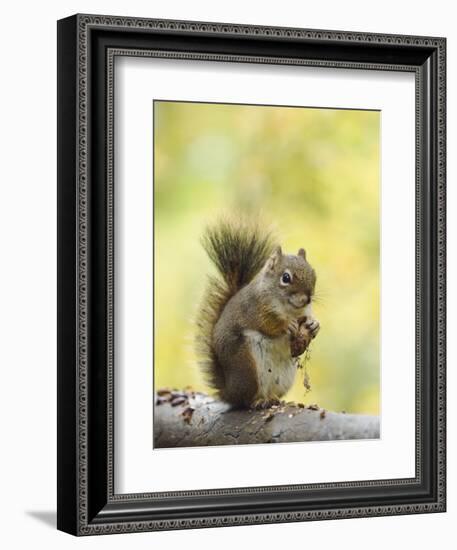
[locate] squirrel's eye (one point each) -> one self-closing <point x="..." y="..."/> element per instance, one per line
<point x="286" y="279"/>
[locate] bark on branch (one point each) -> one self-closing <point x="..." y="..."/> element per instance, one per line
<point x="188" y="419"/>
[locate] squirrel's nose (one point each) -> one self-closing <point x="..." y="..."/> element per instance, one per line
<point x="302" y="300"/>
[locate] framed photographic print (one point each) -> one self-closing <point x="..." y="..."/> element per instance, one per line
<point x="251" y="274"/>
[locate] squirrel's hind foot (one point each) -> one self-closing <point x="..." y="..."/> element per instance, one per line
<point x="261" y="405"/>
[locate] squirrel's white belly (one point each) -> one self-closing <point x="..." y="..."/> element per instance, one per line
<point x="276" y="367"/>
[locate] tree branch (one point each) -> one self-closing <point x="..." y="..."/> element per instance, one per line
<point x="188" y="419"/>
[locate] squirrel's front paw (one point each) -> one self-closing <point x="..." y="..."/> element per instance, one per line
<point x="294" y="328"/>
<point x="312" y="326"/>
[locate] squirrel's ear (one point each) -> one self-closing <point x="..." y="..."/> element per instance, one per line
<point x="274" y="258"/>
<point x="302" y="253"/>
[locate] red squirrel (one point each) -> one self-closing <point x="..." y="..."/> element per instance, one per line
<point x="256" y="316"/>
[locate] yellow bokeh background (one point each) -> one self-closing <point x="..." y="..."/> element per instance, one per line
<point x="314" y="176"/>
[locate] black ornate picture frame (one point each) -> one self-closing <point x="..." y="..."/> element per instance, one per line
<point x="87" y="46"/>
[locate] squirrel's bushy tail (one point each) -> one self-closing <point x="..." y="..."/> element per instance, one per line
<point x="239" y="251"/>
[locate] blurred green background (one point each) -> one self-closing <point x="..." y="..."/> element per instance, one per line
<point x="314" y="176"/>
